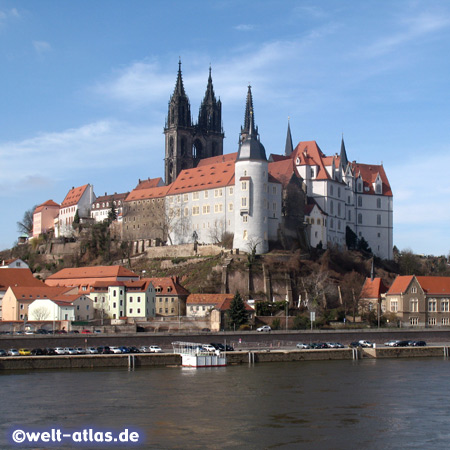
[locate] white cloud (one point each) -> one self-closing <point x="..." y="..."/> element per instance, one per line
<point x="41" y="47"/>
<point x="411" y="29"/>
<point x="104" y="145"/>
<point x="245" y="27"/>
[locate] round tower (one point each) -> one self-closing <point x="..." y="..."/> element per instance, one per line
<point x="251" y="188"/>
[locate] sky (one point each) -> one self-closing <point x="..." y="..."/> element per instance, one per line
<point x="85" y="87"/>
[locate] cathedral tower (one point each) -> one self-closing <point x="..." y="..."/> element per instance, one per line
<point x="186" y="144"/>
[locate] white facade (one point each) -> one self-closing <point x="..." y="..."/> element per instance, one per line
<point x="46" y="309"/>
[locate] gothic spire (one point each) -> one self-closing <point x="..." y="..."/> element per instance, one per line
<point x="343" y="155"/>
<point x="210" y="112"/>
<point x="249" y="118"/>
<point x="289" y="148"/>
<point x="179" y="88"/>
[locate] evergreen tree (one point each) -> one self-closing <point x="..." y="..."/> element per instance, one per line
<point x="76" y="220"/>
<point x="112" y="216"/>
<point x="350" y="238"/>
<point x="237" y="315"/>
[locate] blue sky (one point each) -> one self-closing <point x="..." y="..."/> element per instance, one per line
<point x="85" y="87"/>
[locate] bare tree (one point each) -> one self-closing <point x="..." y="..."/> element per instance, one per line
<point x="40" y="313"/>
<point x="316" y="287"/>
<point x="26" y="226"/>
<point x="217" y="231"/>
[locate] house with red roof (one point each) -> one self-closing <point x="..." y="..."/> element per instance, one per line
<point x="420" y="301"/>
<point x="44" y="217"/>
<point x="84" y="277"/>
<point x="170" y="296"/>
<point x="18" y="299"/>
<point x="372" y="296"/>
<point x="130" y="299"/>
<point x="16" y="277"/>
<point x="102" y="206"/>
<point x="78" y="200"/>
<point x="14" y="263"/>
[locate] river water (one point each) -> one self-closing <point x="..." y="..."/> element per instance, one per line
<point x="368" y="404"/>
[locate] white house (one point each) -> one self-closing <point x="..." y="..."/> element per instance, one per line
<point x="47" y="309"/>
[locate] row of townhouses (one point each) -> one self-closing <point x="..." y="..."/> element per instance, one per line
<point x="301" y="194"/>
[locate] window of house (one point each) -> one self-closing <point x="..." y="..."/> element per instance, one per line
<point x="244" y="201"/>
<point x="445" y="321"/>
<point x="217" y="192"/>
<point x="414" y="305"/>
<point x="444" y="305"/>
<point x="131" y="310"/>
<point x="359" y="218"/>
<point x="185" y="197"/>
<point x="195" y="196"/>
<point x="414" y="321"/>
<point x="230" y="207"/>
<point x="378" y="203"/>
<point x="432" y="305"/>
<point x="431" y="320"/>
<point x="359" y="201"/>
<point x="378" y="219"/>
<point x="245" y="235"/>
<point x="195" y="210"/>
<point x="244" y="185"/>
<point x="414" y="290"/>
<point x="245" y="218"/>
<point x="394" y="305"/>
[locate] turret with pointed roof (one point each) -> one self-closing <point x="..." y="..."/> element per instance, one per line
<point x="343" y="156"/>
<point x="289" y="148"/>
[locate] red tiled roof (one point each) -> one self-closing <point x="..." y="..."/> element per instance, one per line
<point x="400" y="284"/>
<point x="18" y="277"/>
<point x="225" y="305"/>
<point x="48" y="203"/>
<point x="229" y="157"/>
<point x="38" y="292"/>
<point x="111" y="197"/>
<point x="143" y="194"/>
<point x="435" y="285"/>
<point x="150" y="183"/>
<point x="282" y="171"/>
<point x="369" y="174"/>
<point x="373" y="288"/>
<point x="74" y="196"/>
<point x="92" y="272"/>
<point x="309" y="153"/>
<point x="208" y="299"/>
<point x="203" y="177"/>
<point x="167" y="282"/>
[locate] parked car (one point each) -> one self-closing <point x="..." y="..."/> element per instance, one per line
<point x="144" y="349"/>
<point x="41" y="331"/>
<point x="97" y="331"/>
<point x="391" y="343"/>
<point x="402" y="344"/>
<point x="364" y="343"/>
<point x="104" y="350"/>
<point x="29" y="332"/>
<point x="80" y="351"/>
<point x="229" y="348"/>
<point x="49" y="351"/>
<point x="334" y="345"/>
<point x="3" y="352"/>
<point x="354" y="344"/>
<point x="114" y="349"/>
<point x="218" y="346"/>
<point x="59" y="351"/>
<point x="133" y="349"/>
<point x="70" y="351"/>
<point x="74" y="332"/>
<point x="417" y="343"/>
<point x="13" y="352"/>
<point x="91" y="351"/>
<point x="85" y="332"/>
<point x="124" y="349"/>
<point x="155" y="349"/>
<point x="303" y="346"/>
<point x="37" y="352"/>
<point x="24" y="351"/>
<point x="264" y="328"/>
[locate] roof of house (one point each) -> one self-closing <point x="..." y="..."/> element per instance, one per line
<point x="373" y="288"/>
<point x="92" y="272"/>
<point x="150" y="183"/>
<point x="225" y="305"/>
<point x="229" y="157"/>
<point x="208" y="299"/>
<point x="310" y="205"/>
<point x="308" y="153"/>
<point x="74" y="196"/>
<point x="431" y="285"/>
<point x="108" y="198"/>
<point x="147" y="193"/>
<point x="369" y="173"/>
<point x="164" y="283"/>
<point x="203" y="177"/>
<point x="38" y="292"/>
<point x="18" y="277"/>
<point x="282" y="171"/>
<point x="47" y="204"/>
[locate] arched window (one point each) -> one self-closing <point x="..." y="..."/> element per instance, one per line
<point x="360" y="218"/>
